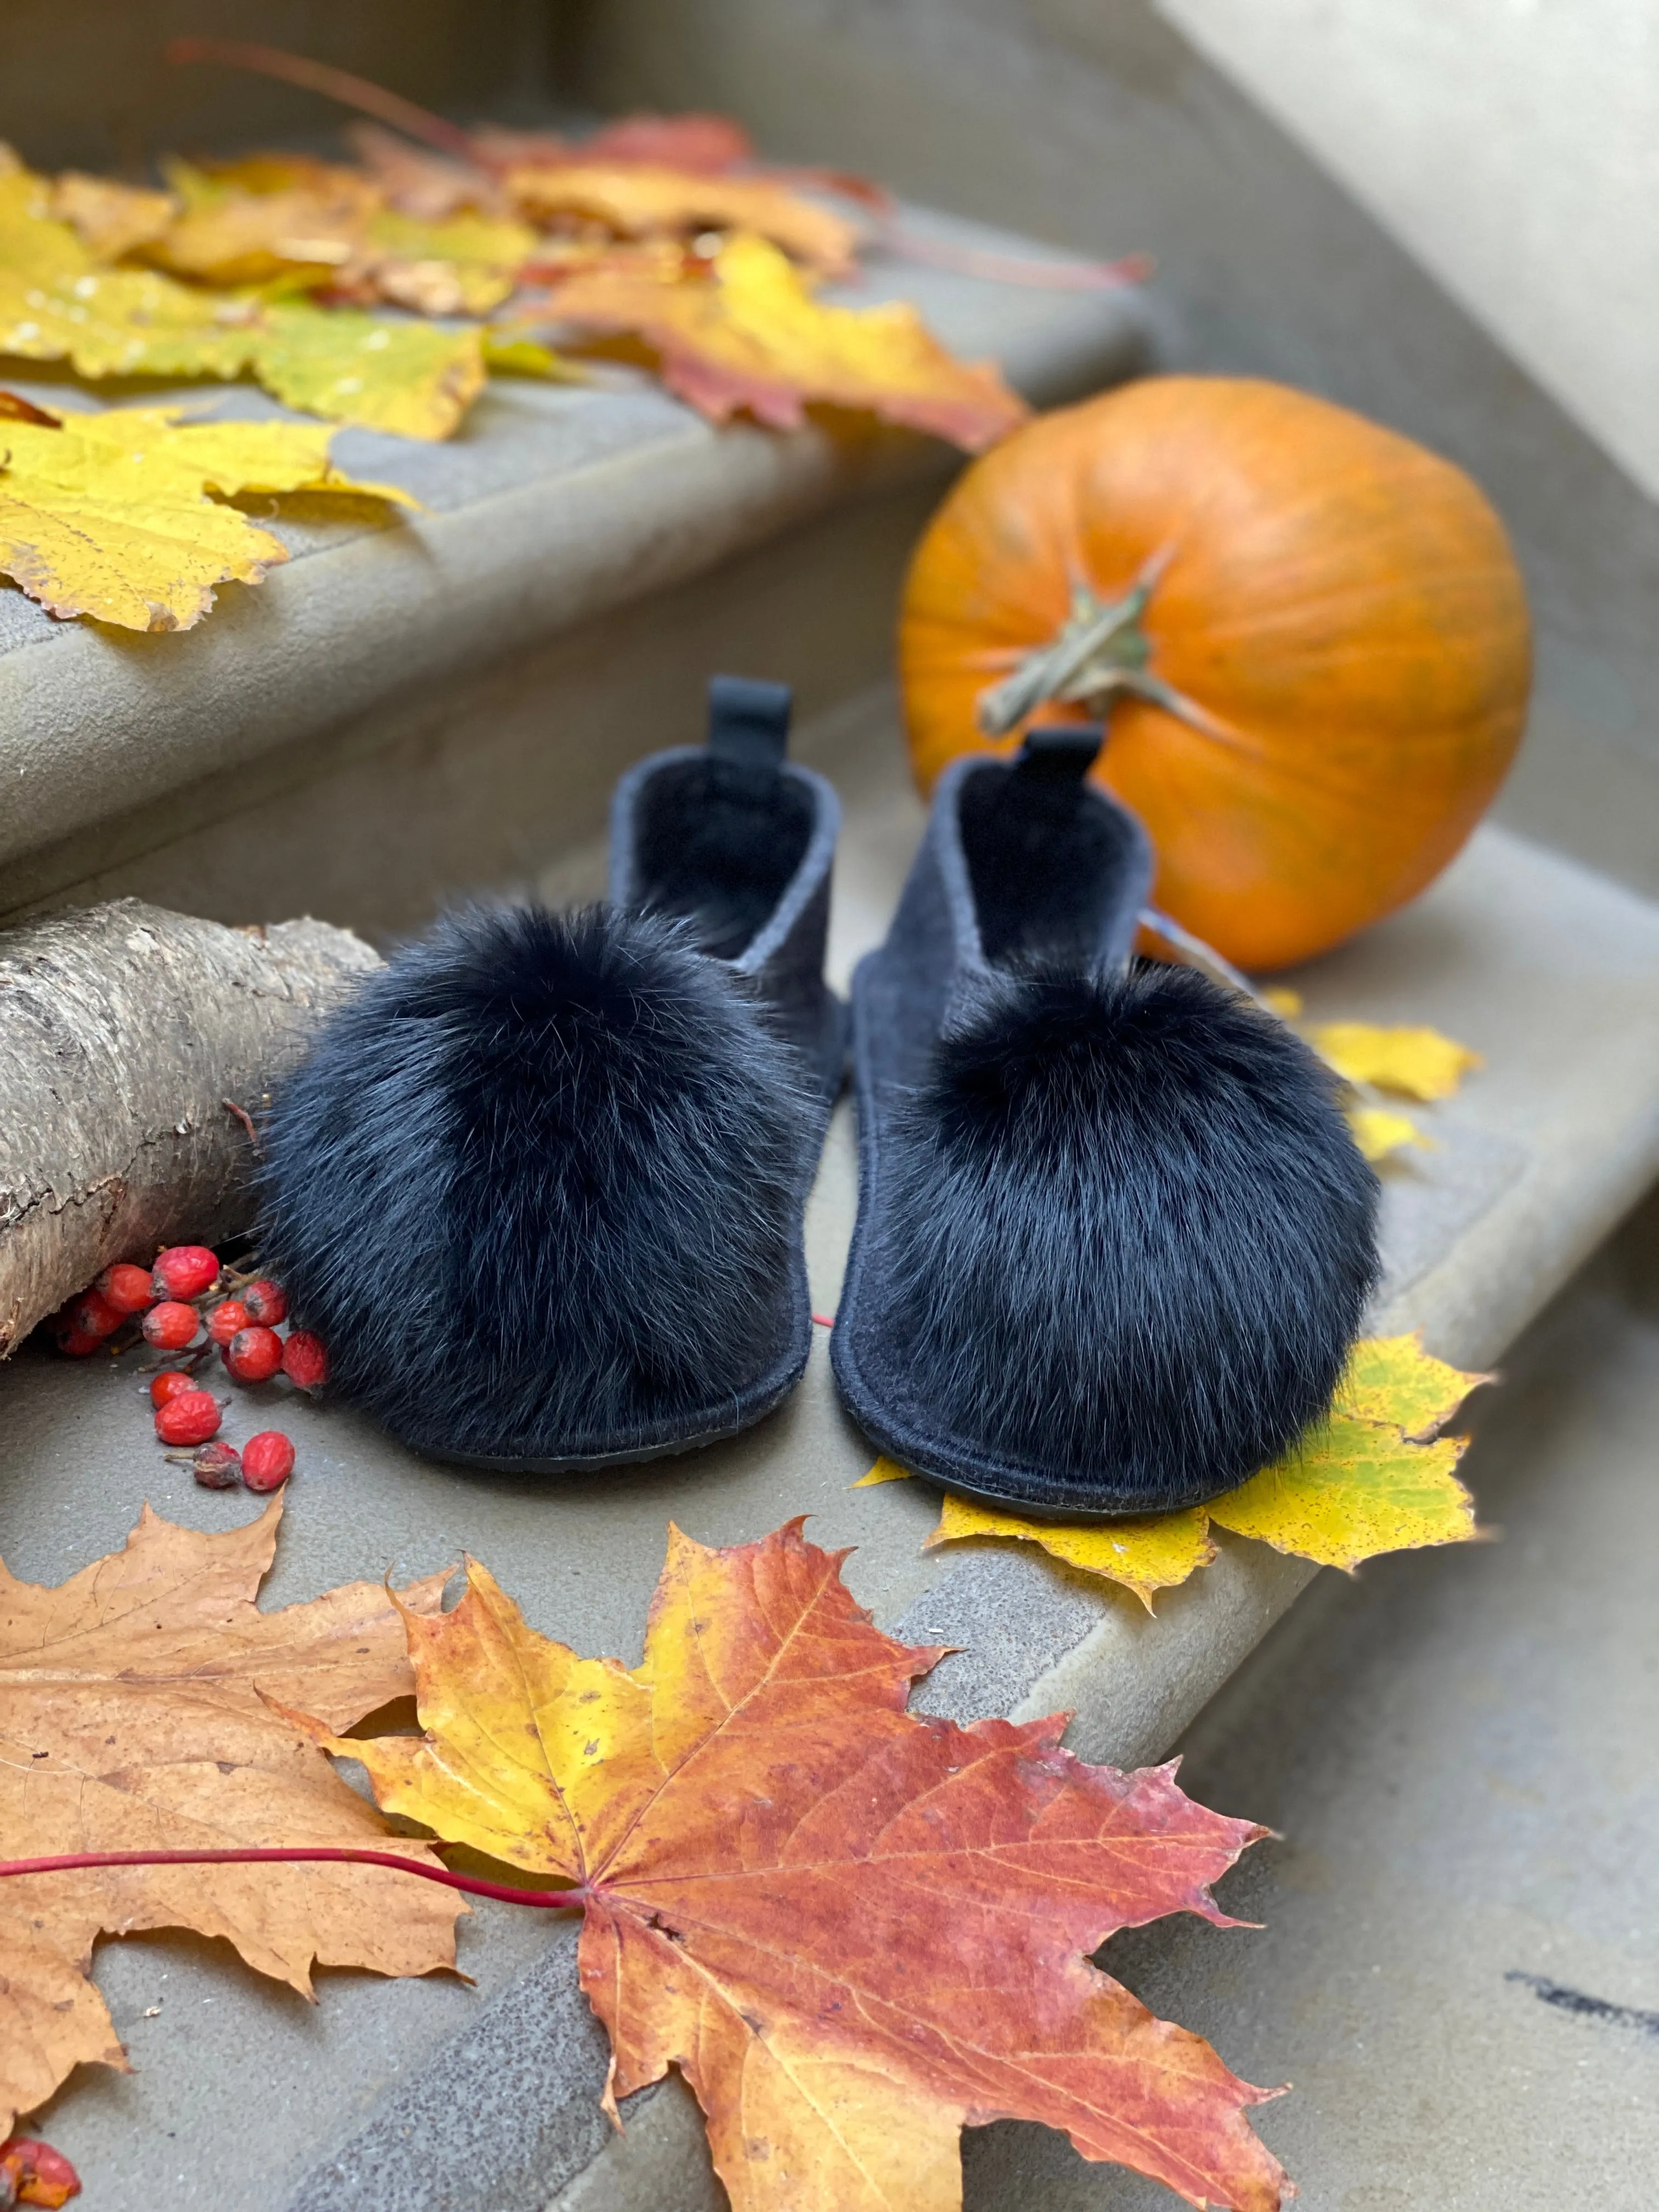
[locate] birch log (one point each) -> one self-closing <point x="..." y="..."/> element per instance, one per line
<point x="125" y="1030"/>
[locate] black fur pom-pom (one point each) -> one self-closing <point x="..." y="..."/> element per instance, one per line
<point x="539" y="1185"/>
<point x="1133" y="1236"/>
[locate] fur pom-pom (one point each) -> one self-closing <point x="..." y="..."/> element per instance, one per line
<point x="538" y="1187"/>
<point x="1133" y="1236"/>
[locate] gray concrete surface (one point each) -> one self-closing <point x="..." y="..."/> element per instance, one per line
<point x="400" y="2097"/>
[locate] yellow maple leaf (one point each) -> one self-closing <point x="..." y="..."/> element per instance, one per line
<point x="1420" y="1063"/>
<point x="637" y="200"/>
<point x="1145" y="1555"/>
<point x="1378" y="1131"/>
<point x="1367" y="1479"/>
<point x="752" y="336"/>
<point x="245" y="238"/>
<point x="112" y="515"/>
<point x="1351" y="1489"/>
<point x="884" y="1470"/>
<point x="1393" y="1379"/>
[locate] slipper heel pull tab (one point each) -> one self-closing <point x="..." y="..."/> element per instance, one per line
<point x="1057" y="760"/>
<point x="748" y="733"/>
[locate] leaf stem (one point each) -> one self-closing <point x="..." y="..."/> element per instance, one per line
<point x="75" y="1861"/>
<point x="358" y="92"/>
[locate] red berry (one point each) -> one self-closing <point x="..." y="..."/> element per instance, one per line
<point x="304" y="1360"/>
<point x="170" y="1383"/>
<point x="93" y="1315"/>
<point x="266" y="1302"/>
<point x="171" y="1326"/>
<point x="216" y="1466"/>
<point x="185" y="1270"/>
<point x="77" y="1343"/>
<point x="129" y="1290"/>
<point x="254" y="1355"/>
<point x="189" y="1419"/>
<point x="33" y="2173"/>
<point x="267" y="1460"/>
<point x="226" y="1318"/>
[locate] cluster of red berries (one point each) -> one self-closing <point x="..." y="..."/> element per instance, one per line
<point x="175" y="1300"/>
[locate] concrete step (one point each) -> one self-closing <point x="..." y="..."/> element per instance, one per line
<point x="416" y="706"/>
<point x="419" y="2096"/>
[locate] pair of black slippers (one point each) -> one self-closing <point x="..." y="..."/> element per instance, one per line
<point x="540" y="1187"/>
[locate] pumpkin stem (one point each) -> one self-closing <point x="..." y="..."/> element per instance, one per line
<point x="1100" y="652"/>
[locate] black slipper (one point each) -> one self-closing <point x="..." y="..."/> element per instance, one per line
<point x="540" y="1186"/>
<point x="1114" y="1237"/>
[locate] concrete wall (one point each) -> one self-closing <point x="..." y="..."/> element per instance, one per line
<point x="83" y="81"/>
<point x="1513" y="145"/>
<point x="1097" y="124"/>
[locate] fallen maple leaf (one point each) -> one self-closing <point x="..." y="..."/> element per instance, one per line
<point x="415" y="378"/>
<point x="111" y="219"/>
<point x="229" y="236"/>
<point x="853" y="1930"/>
<point x="637" y="201"/>
<point x="1350" y="1490"/>
<point x="751" y="336"/>
<point x="1367" y="1479"/>
<point x="131" y="1718"/>
<point x="269" y="216"/>
<point x="1146" y="1556"/>
<point x="1419" y="1062"/>
<point x="1393" y="1379"/>
<point x="1379" y="1132"/>
<point x="110" y="514"/>
<point x="704" y="145"/>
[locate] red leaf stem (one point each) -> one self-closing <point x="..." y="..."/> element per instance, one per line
<point x="75" y="1861"/>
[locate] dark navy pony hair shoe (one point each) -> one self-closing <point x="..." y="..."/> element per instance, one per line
<point x="1113" y="1237"/>
<point x="540" y="1186"/>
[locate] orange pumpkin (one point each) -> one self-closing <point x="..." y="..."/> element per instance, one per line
<point x="1310" y="636"/>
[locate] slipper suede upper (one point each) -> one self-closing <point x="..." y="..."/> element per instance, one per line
<point x="1115" y="1238"/>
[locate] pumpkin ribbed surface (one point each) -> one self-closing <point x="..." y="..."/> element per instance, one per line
<point x="1335" y="611"/>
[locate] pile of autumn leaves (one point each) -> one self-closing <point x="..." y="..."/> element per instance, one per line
<point x="384" y="295"/>
<point x="855" y="1930"/>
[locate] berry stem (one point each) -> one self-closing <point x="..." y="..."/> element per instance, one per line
<point x="298" y="1854"/>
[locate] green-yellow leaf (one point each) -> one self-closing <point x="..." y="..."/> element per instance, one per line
<point x="113" y="515"/>
<point x="416" y="378"/>
<point x="1144" y="1555"/>
<point x="1350" y="1490"/>
<point x="1392" y="1379"/>
<point x="509" y="352"/>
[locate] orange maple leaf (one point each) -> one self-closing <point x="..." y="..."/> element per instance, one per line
<point x="637" y="200"/>
<point x="750" y="335"/>
<point x="855" y="1930"/>
<point x="131" y="1719"/>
